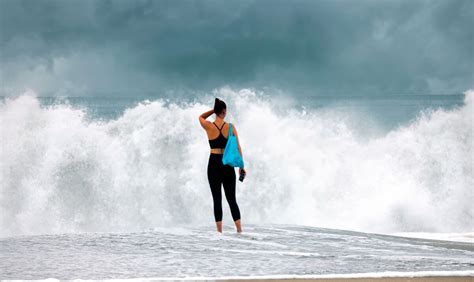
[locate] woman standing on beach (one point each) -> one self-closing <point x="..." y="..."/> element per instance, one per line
<point x="217" y="172"/>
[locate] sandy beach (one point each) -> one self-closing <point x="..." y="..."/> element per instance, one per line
<point x="385" y="279"/>
<point x="370" y="278"/>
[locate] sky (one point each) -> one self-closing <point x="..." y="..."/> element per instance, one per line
<point x="124" y="48"/>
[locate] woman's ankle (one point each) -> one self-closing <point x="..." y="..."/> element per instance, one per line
<point x="238" y="226"/>
<point x="219" y="226"/>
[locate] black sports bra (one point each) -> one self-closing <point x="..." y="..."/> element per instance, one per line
<point x="220" y="141"/>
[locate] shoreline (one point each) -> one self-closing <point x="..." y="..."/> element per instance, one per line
<point x="467" y="278"/>
<point x="390" y="276"/>
<point x="380" y="279"/>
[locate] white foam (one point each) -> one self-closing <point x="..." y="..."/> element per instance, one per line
<point x="457" y="237"/>
<point x="62" y="172"/>
<point x="386" y="274"/>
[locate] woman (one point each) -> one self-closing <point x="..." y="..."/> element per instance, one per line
<point x="217" y="173"/>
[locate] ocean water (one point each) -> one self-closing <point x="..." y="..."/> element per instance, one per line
<point x="108" y="188"/>
<point x="194" y="252"/>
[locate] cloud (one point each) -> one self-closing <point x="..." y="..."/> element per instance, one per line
<point x="322" y="47"/>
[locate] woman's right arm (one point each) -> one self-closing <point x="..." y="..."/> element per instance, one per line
<point x="202" y="119"/>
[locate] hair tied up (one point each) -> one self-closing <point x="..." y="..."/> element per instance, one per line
<point x="219" y="106"/>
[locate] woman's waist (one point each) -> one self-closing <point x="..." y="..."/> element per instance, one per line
<point x="215" y="157"/>
<point x="217" y="151"/>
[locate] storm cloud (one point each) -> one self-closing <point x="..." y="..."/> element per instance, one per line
<point x="128" y="48"/>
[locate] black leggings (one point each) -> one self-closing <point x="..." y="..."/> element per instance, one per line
<point x="218" y="174"/>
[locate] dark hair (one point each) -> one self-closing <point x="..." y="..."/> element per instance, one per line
<point x="219" y="105"/>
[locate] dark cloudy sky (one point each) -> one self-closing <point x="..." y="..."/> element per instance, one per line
<point x="316" y="47"/>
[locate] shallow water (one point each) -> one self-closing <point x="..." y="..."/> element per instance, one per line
<point x="200" y="252"/>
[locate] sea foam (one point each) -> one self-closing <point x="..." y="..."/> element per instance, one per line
<point x="62" y="171"/>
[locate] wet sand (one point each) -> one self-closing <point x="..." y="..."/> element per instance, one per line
<point x="372" y="279"/>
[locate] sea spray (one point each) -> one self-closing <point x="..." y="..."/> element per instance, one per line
<point x="62" y="171"/>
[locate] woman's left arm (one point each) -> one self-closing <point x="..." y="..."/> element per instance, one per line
<point x="234" y="131"/>
<point x="238" y="145"/>
<point x="202" y="119"/>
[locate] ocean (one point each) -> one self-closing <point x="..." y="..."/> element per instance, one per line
<point x="198" y="252"/>
<point x="98" y="187"/>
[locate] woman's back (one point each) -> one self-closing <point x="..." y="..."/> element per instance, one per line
<point x="219" y="141"/>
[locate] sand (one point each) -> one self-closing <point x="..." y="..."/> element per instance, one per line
<point x="380" y="279"/>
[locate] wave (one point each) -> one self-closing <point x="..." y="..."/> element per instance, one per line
<point x="62" y="171"/>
